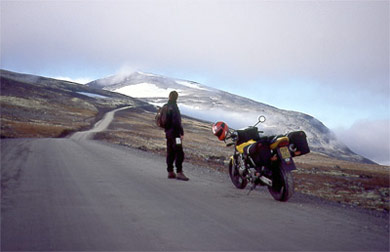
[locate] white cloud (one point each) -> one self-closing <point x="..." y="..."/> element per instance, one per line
<point x="329" y="40"/>
<point x="123" y="72"/>
<point x="368" y="138"/>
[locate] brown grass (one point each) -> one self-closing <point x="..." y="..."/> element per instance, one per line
<point x="30" y="129"/>
<point x="41" y="120"/>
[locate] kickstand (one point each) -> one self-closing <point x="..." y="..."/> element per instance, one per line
<point x="251" y="188"/>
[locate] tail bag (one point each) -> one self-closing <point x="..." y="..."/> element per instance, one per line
<point x="245" y="135"/>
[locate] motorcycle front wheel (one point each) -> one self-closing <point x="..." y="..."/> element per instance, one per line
<point x="237" y="180"/>
<point x="282" y="184"/>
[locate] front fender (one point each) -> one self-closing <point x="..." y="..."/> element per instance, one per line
<point x="232" y="159"/>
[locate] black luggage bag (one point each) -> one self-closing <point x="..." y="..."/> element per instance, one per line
<point x="259" y="152"/>
<point x="247" y="134"/>
<point x="298" y="139"/>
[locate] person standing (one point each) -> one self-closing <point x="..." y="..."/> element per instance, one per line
<point x="174" y="134"/>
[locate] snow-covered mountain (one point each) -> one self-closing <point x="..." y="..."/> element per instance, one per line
<point x="206" y="103"/>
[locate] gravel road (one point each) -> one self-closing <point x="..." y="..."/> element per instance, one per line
<point x="83" y="195"/>
<point x="98" y="127"/>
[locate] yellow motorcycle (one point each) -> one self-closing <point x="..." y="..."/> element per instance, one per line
<point x="263" y="160"/>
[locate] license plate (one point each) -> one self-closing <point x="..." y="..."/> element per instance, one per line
<point x="285" y="152"/>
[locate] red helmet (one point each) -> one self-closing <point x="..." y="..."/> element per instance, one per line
<point x="220" y="130"/>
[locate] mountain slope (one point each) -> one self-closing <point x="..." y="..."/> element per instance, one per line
<point x="35" y="106"/>
<point x="210" y="104"/>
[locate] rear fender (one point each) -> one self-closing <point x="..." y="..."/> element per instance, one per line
<point x="287" y="164"/>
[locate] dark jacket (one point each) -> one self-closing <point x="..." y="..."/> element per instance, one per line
<point x="173" y="127"/>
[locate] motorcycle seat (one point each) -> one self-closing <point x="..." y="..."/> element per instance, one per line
<point x="276" y="141"/>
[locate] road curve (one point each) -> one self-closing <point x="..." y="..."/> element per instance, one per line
<point x="98" y="127"/>
<point x="83" y="195"/>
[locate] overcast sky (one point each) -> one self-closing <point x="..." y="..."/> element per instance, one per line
<point x="329" y="59"/>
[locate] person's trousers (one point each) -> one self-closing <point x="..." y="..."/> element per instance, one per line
<point x="175" y="154"/>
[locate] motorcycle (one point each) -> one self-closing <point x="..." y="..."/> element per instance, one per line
<point x="262" y="160"/>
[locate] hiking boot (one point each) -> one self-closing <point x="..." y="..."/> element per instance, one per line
<point x="181" y="176"/>
<point x="171" y="175"/>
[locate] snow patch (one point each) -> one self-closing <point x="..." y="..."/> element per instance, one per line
<point x="149" y="74"/>
<point x="147" y="90"/>
<point x="76" y="80"/>
<point x="235" y="120"/>
<point x="157" y="104"/>
<point x="93" y="95"/>
<point x="191" y="85"/>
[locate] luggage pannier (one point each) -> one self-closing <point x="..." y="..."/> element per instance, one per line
<point x="259" y="152"/>
<point x="298" y="138"/>
<point x="247" y="134"/>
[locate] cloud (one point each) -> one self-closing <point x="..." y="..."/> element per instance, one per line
<point x="335" y="41"/>
<point x="123" y="72"/>
<point x="313" y="56"/>
<point x="368" y="138"/>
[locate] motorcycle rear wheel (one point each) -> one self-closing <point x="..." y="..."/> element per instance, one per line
<point x="282" y="184"/>
<point x="237" y="180"/>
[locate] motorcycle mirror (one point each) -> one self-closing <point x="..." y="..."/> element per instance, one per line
<point x="261" y="119"/>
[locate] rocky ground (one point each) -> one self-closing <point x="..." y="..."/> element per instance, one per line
<point x="353" y="184"/>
